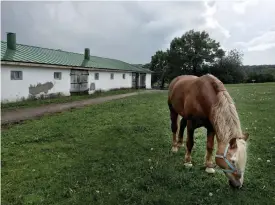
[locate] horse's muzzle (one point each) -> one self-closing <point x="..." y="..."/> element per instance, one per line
<point x="235" y="183"/>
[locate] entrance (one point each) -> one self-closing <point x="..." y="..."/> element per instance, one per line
<point x="135" y="80"/>
<point x="142" y="80"/>
<point x="79" y="81"/>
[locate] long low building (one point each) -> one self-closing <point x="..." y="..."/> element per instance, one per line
<point x="30" y="71"/>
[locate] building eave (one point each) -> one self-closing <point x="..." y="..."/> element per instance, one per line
<point x="27" y="64"/>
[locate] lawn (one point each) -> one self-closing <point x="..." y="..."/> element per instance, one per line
<point x="119" y="153"/>
<point x="25" y="103"/>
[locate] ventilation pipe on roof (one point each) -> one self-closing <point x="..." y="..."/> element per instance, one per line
<point x="87" y="54"/>
<point x="11" y="41"/>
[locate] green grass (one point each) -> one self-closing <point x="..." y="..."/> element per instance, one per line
<point x="103" y="154"/>
<point x="25" y="103"/>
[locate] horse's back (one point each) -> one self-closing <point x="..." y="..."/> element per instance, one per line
<point x="194" y="95"/>
<point x="180" y="84"/>
<point x="181" y="78"/>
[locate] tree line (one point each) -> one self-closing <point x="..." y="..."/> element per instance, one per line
<point x="195" y="53"/>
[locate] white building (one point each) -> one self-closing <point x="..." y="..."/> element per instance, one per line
<point x="28" y="71"/>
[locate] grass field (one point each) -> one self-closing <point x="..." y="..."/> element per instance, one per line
<point x="119" y="153"/>
<point x="61" y="99"/>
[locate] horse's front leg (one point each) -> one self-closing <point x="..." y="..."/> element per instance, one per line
<point x="209" y="150"/>
<point x="189" y="144"/>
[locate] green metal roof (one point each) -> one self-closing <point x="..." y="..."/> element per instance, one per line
<point x="33" y="54"/>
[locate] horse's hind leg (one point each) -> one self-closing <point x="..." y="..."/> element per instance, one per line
<point x="209" y="150"/>
<point x="174" y="127"/>
<point x="189" y="143"/>
<point x="183" y="124"/>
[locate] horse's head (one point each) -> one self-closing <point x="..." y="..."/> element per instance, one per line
<point x="233" y="160"/>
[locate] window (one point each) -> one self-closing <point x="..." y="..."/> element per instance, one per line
<point x="123" y="75"/>
<point x="57" y="75"/>
<point x="16" y="75"/>
<point x="96" y="76"/>
<point x="112" y="76"/>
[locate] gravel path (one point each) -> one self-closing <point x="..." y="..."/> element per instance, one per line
<point x="15" y="116"/>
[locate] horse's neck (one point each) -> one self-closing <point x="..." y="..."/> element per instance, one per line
<point x="225" y="119"/>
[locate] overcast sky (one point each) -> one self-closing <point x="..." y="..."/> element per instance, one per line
<point x="134" y="31"/>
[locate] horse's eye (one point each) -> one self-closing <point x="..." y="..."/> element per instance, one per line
<point x="233" y="162"/>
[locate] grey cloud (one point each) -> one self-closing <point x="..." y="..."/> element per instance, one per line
<point x="129" y="31"/>
<point x="132" y="39"/>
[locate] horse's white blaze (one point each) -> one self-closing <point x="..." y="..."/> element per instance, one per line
<point x="241" y="155"/>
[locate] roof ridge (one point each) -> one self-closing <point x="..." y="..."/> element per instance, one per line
<point x="59" y="50"/>
<point x="96" y="61"/>
<point x="44" y="48"/>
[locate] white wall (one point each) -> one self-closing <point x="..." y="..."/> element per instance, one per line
<point x="106" y="83"/>
<point x="13" y="90"/>
<point x="148" y="81"/>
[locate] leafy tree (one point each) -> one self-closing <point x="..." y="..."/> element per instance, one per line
<point x="259" y="73"/>
<point x="147" y="65"/>
<point x="260" y="77"/>
<point x="159" y="65"/>
<point x="189" y="53"/>
<point x="229" y="68"/>
<point x="197" y="54"/>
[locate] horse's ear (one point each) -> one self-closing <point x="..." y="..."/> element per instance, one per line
<point x="245" y="136"/>
<point x="233" y="143"/>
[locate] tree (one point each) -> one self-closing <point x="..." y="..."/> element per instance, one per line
<point x="196" y="53"/>
<point x="147" y="65"/>
<point x="189" y="53"/>
<point x="229" y="68"/>
<point x="260" y="77"/>
<point x="159" y="65"/>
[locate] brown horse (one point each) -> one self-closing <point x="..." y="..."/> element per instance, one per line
<point x="204" y="102"/>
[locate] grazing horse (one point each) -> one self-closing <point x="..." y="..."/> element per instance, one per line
<point x="204" y="102"/>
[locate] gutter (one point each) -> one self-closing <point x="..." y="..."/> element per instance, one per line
<point x="40" y="65"/>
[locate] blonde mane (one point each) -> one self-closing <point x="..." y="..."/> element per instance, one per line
<point x="225" y="118"/>
<point x="227" y="126"/>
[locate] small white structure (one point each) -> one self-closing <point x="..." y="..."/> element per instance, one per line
<point x="28" y="71"/>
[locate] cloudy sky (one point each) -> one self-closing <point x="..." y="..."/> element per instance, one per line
<point x="134" y="31"/>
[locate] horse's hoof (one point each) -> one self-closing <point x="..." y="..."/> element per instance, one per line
<point x="210" y="170"/>
<point x="174" y="149"/>
<point x="188" y="164"/>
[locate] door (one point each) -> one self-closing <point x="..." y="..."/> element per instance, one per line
<point x="134" y="80"/>
<point x="137" y="80"/>
<point x="79" y="80"/>
<point x="143" y="80"/>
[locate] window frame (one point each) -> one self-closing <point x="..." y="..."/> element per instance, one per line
<point x="58" y="77"/>
<point x="14" y="77"/>
<point x="112" y="76"/>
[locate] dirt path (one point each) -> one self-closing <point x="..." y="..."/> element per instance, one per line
<point x="15" y="116"/>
